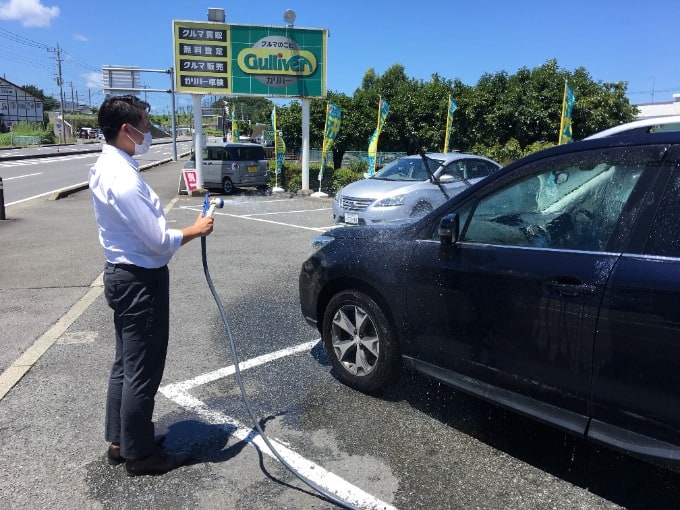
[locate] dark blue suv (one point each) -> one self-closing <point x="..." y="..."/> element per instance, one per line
<point x="551" y="288"/>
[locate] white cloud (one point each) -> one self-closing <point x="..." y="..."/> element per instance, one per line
<point x="31" y="13"/>
<point x="93" y="80"/>
<point x="80" y="37"/>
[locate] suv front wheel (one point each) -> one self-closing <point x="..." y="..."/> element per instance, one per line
<point x="360" y="341"/>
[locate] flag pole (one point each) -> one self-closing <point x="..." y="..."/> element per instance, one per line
<point x="564" y="106"/>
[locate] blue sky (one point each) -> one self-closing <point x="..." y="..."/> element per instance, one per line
<point x="614" y="40"/>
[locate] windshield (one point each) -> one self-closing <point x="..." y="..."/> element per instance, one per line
<point x="407" y="169"/>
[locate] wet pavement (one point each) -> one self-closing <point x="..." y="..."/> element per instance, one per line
<point x="418" y="445"/>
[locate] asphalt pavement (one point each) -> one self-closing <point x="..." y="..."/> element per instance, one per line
<point x="418" y="446"/>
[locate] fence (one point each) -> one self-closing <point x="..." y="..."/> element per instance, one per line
<point x="349" y="157"/>
<point x="21" y="141"/>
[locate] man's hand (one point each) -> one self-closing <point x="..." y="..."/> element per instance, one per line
<point x="202" y="227"/>
<point x="204" y="224"/>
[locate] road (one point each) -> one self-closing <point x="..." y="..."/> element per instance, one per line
<point x="25" y="179"/>
<point x="418" y="445"/>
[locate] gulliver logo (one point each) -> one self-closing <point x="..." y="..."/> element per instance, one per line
<point x="277" y="61"/>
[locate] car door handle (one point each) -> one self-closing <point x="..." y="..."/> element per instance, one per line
<point x="568" y="286"/>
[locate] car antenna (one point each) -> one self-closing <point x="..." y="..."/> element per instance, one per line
<point x="416" y="142"/>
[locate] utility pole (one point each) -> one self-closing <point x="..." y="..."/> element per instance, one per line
<point x="60" y="82"/>
<point x="71" y="96"/>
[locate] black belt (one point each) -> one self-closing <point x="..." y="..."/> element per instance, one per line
<point x="132" y="267"/>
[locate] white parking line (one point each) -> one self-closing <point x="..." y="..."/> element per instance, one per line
<point x="178" y="393"/>
<point x="249" y="217"/>
<point x="287" y="212"/>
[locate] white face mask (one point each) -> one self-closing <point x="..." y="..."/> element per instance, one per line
<point x="146" y="143"/>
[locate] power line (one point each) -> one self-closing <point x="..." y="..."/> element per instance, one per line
<point x="80" y="63"/>
<point x="13" y="57"/>
<point x="654" y="91"/>
<point x="71" y="60"/>
<point x="6" y="34"/>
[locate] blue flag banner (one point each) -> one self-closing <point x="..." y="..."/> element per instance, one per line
<point x="449" y="123"/>
<point x="333" y="121"/>
<point x="383" y="110"/>
<point x="565" y="123"/>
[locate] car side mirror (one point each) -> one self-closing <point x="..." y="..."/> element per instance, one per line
<point x="446" y="178"/>
<point x="449" y="229"/>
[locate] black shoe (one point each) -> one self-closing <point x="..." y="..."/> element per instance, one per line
<point x="157" y="463"/>
<point x="113" y="456"/>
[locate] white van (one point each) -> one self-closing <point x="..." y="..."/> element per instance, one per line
<point x="233" y="165"/>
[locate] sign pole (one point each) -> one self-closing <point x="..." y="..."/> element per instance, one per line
<point x="173" y="125"/>
<point x="198" y="139"/>
<point x="305" y="144"/>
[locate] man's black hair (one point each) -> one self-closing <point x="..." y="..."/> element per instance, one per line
<point x="118" y="110"/>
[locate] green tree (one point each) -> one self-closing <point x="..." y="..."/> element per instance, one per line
<point x="49" y="103"/>
<point x="502" y="116"/>
<point x="257" y="110"/>
<point x="526" y="108"/>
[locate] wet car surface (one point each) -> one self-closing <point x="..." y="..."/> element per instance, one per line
<point x="550" y="288"/>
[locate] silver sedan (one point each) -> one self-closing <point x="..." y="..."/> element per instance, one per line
<point x="407" y="189"/>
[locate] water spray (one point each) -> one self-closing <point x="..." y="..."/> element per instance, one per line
<point x="209" y="206"/>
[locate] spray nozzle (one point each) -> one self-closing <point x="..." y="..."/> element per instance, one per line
<point x="209" y="205"/>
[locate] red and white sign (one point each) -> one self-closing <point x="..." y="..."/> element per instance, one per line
<point x="190" y="179"/>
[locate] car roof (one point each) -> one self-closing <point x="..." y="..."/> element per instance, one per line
<point x="450" y="156"/>
<point x="652" y="124"/>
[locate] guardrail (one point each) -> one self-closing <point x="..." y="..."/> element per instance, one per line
<point x="22" y="141"/>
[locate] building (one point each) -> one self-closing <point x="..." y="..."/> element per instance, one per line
<point x="18" y="105"/>
<point x="650" y="110"/>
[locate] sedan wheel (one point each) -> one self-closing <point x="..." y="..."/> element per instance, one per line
<point x="421" y="209"/>
<point x="359" y="341"/>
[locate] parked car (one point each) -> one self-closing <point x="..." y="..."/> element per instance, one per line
<point x="233" y="165"/>
<point x="650" y="125"/>
<point x="405" y="189"/>
<point x="552" y="288"/>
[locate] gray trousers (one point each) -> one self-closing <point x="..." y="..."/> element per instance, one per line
<point x="139" y="298"/>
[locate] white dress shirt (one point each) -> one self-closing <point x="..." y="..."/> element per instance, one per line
<point x="131" y="222"/>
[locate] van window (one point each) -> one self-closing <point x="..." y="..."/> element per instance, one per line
<point x="246" y="153"/>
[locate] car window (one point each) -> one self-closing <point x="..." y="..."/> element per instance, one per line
<point x="407" y="169"/>
<point x="573" y="205"/>
<point x="664" y="237"/>
<point x="246" y="153"/>
<point x="252" y="153"/>
<point x="456" y="168"/>
<point x="477" y="168"/>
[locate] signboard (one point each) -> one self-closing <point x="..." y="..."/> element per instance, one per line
<point x="190" y="180"/>
<point x="116" y="78"/>
<point x="246" y="60"/>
